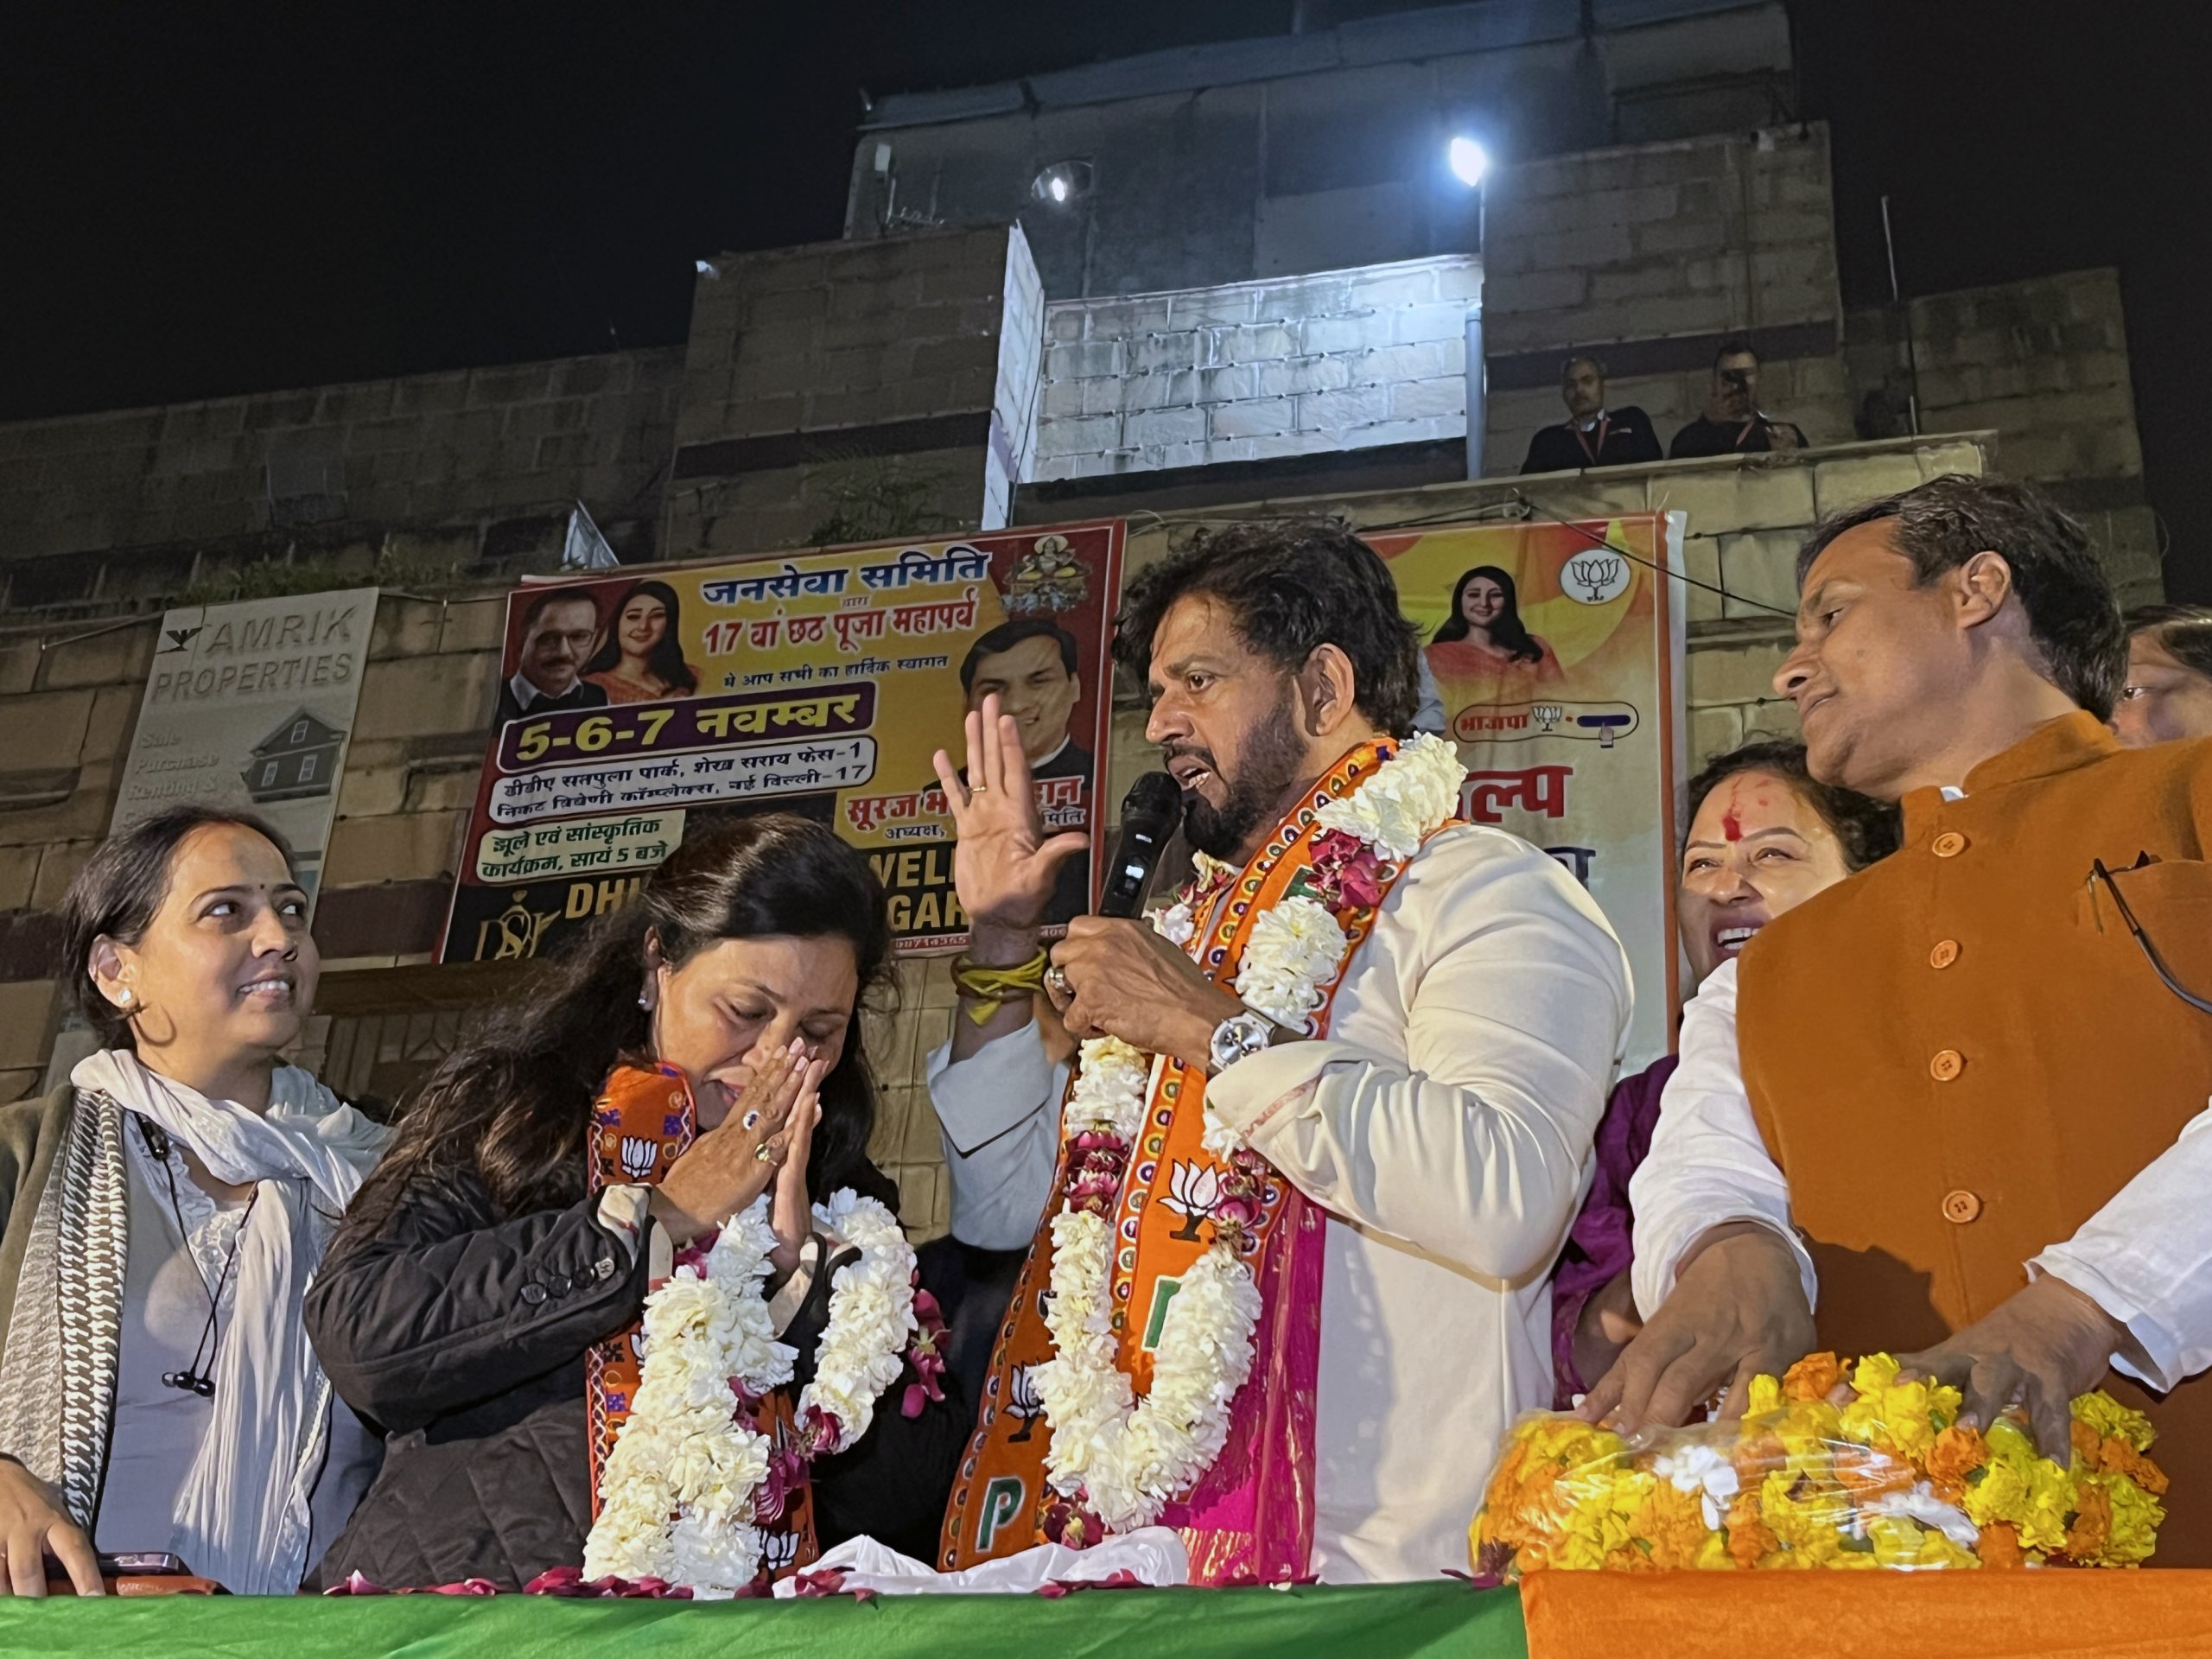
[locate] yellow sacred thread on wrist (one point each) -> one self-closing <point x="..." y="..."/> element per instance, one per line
<point x="985" y="989"/>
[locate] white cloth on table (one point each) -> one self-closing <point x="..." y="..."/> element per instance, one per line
<point x="1152" y="1555"/>
<point x="1445" y="1125"/>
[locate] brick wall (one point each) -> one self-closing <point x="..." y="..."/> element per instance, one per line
<point x="438" y="461"/>
<point x="813" y="374"/>
<point x="1346" y="360"/>
<point x="1646" y="256"/>
<point x="2043" y="363"/>
<point x="427" y="700"/>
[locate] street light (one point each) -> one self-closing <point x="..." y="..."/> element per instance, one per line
<point x="1469" y="164"/>
<point x="1062" y="182"/>
<point x="1468" y="160"/>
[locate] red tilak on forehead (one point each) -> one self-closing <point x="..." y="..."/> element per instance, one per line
<point x="1731" y="825"/>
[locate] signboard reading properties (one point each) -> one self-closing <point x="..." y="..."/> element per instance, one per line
<point x="634" y="706"/>
<point x="250" y="705"/>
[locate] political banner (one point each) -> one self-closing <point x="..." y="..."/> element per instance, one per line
<point x="250" y="705"/>
<point x="1556" y="652"/>
<point x="634" y="708"/>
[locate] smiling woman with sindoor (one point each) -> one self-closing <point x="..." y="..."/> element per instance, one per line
<point x="1763" y="838"/>
<point x="159" y="1216"/>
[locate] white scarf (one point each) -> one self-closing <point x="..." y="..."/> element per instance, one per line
<point x="242" y="1515"/>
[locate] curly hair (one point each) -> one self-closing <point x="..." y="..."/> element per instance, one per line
<point x="1867" y="829"/>
<point x="1293" y="586"/>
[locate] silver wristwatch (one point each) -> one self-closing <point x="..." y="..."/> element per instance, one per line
<point x="1237" y="1037"/>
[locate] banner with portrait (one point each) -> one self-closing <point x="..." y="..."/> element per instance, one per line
<point x="633" y="708"/>
<point x="1555" y="650"/>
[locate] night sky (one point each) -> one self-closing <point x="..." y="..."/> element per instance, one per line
<point x="201" y="199"/>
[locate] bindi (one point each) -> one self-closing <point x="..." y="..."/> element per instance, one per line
<point x="1731" y="825"/>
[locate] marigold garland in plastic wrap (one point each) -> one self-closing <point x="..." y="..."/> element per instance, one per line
<point x="1834" y="1465"/>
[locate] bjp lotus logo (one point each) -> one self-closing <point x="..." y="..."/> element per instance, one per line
<point x="1594" y="579"/>
<point x="779" y="1550"/>
<point x="1023" y="1402"/>
<point x="1193" y="1190"/>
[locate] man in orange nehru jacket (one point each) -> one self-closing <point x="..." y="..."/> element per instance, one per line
<point x="1959" y="1101"/>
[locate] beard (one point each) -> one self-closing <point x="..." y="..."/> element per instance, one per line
<point x="1270" y="763"/>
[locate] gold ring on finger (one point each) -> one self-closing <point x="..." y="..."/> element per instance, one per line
<point x="1057" y="977"/>
<point x="979" y="789"/>
<point x="761" y="1154"/>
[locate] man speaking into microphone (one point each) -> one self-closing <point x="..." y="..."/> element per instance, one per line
<point x="1356" y="1066"/>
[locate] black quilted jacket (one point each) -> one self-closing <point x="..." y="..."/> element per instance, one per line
<point x="463" y="1337"/>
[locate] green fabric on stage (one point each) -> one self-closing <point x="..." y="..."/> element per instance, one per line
<point x="1369" y="1622"/>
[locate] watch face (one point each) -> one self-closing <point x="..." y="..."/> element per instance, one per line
<point x="1237" y="1036"/>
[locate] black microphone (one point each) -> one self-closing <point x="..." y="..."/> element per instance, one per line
<point x="1149" y="813"/>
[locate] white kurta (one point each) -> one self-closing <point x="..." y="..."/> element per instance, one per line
<point x="1445" y="1126"/>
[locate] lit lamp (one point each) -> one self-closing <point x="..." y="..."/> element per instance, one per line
<point x="1470" y="165"/>
<point x="1062" y="182"/>
<point x="1468" y="161"/>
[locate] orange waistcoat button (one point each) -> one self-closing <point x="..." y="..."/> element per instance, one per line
<point x="1949" y="845"/>
<point x="1946" y="1064"/>
<point x="1960" y="1207"/>
<point x="1945" y="953"/>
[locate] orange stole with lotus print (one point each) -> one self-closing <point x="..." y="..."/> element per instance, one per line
<point x="642" y="1121"/>
<point x="1000" y="1500"/>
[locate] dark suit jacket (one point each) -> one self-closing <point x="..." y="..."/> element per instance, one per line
<point x="1072" y="891"/>
<point x="1629" y="439"/>
<point x="1704" y="437"/>
<point x="583" y="695"/>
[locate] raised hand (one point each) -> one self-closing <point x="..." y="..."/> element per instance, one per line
<point x="731" y="1164"/>
<point x="1003" y="865"/>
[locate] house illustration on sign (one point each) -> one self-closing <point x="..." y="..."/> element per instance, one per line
<point x="299" y="758"/>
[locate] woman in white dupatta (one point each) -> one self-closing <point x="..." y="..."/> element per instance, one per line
<point x="159" y="1216"/>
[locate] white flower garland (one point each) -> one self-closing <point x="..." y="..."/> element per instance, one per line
<point x="677" y="1491"/>
<point x="1128" y="1458"/>
<point x="1392" y="811"/>
<point x="871" y="1317"/>
<point x="678" y="1494"/>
